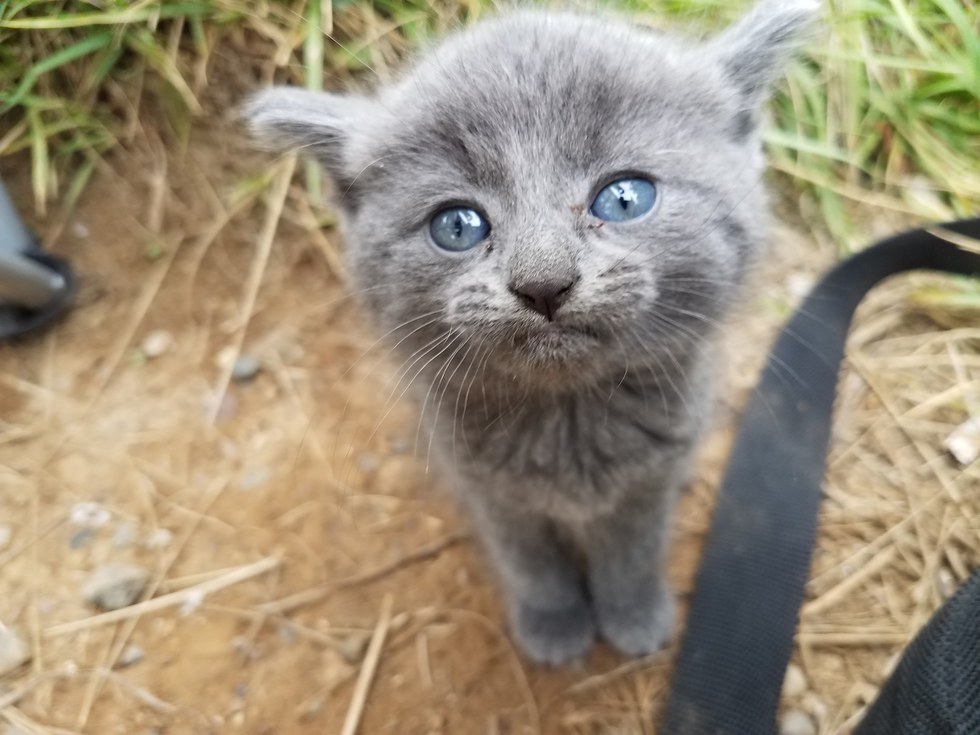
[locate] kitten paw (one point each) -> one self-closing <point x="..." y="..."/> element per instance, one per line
<point x="638" y="626"/>
<point x="554" y="637"/>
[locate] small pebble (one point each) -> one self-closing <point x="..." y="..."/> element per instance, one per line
<point x="795" y="682"/>
<point x="6" y="533"/>
<point x="245" y="368"/>
<point x="796" y="722"/>
<point x="130" y="656"/>
<point x="351" y="647"/>
<point x="89" y="514"/>
<point x="79" y="230"/>
<point x="157" y="343"/>
<point x="964" y="442"/>
<point x="247" y="648"/>
<point x="947" y="583"/>
<point x="14" y="651"/>
<point x="194" y="599"/>
<point x="124" y="535"/>
<point x="113" y="586"/>
<point x="159" y="539"/>
<point x="81" y="537"/>
<point x="367" y="462"/>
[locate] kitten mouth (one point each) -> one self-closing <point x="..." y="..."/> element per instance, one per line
<point x="558" y="343"/>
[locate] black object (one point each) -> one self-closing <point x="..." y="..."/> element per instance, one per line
<point x="739" y="636"/>
<point x="35" y="287"/>
<point x="936" y="688"/>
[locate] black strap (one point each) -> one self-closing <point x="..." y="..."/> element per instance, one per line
<point x="739" y="636"/>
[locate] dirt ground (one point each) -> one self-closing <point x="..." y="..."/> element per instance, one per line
<point x="287" y="517"/>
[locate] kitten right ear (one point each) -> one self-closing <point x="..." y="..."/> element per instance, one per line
<point x="755" y="49"/>
<point x="317" y="124"/>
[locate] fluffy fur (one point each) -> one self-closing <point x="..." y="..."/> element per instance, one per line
<point x="567" y="438"/>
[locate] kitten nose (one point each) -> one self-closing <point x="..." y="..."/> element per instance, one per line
<point x="544" y="296"/>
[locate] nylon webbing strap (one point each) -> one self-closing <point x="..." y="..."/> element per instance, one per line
<point x="739" y="635"/>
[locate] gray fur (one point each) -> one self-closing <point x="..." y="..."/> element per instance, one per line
<point x="568" y="439"/>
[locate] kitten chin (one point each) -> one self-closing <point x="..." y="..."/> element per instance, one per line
<point x="556" y="357"/>
<point x="548" y="356"/>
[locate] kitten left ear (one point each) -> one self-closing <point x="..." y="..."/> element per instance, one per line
<point x="755" y="49"/>
<point x="317" y="124"/>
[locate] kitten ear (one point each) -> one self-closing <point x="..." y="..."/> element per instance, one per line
<point x="317" y="124"/>
<point x="755" y="49"/>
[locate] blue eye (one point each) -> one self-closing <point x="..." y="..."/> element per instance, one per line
<point x="458" y="229"/>
<point x="624" y="200"/>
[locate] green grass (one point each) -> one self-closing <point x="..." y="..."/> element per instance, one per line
<point x="887" y="112"/>
<point x="67" y="69"/>
<point x="884" y="111"/>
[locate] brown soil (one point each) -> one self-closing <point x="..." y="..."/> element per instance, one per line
<point x="305" y="465"/>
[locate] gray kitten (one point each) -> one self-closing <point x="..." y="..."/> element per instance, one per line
<point x="550" y="214"/>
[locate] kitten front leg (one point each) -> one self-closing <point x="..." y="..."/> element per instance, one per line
<point x="625" y="551"/>
<point x="549" y="612"/>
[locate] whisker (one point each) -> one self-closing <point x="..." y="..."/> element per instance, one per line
<point x="448" y="382"/>
<point x="457" y="416"/>
<point x="364" y="378"/>
<point x="407" y="366"/>
<point x="434" y="385"/>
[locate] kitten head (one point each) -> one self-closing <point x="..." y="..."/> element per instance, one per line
<point x="563" y="196"/>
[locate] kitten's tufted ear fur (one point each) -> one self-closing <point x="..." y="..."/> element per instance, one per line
<point x="317" y="124"/>
<point x="754" y="50"/>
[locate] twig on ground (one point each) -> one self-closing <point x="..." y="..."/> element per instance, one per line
<point x="368" y="667"/>
<point x="263" y="248"/>
<point x="241" y="574"/>
<point x="630" y="667"/>
<point x="315" y="594"/>
<point x="835" y="594"/>
<point x="113" y="652"/>
<point x="853" y="640"/>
